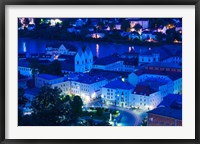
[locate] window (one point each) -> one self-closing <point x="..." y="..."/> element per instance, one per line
<point x="77" y="62"/>
<point x="151" y="119"/>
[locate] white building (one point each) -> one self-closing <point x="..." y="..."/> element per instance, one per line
<point x="88" y="87"/>
<point x="53" y="81"/>
<point x="83" y="60"/>
<point x="24" y="68"/>
<point x="144" y="97"/>
<point x="177" y="83"/>
<point x="117" y="93"/>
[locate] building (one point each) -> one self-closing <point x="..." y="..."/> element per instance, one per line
<point x="144" y="97"/>
<point x="129" y="65"/>
<point x="117" y="93"/>
<point x="87" y="86"/>
<point x="47" y="79"/>
<point x="176" y="58"/>
<point x="60" y="49"/>
<point x="143" y="22"/>
<point x="24" y="68"/>
<point x="150" y="92"/>
<point x="164" y="67"/>
<point x="148" y="57"/>
<point x="83" y="60"/>
<point x="168" y="113"/>
<point x="53" y="81"/>
<point x="163" y="116"/>
<point x="110" y="63"/>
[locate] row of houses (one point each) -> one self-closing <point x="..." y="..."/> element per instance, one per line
<point x="140" y="90"/>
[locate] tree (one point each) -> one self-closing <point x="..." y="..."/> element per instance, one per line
<point x="66" y="24"/>
<point x="51" y="107"/>
<point x="30" y="83"/>
<point x="100" y="25"/>
<point x="99" y="111"/>
<point x="55" y="68"/>
<point x="112" y="26"/>
<point x="37" y="23"/>
<point x="137" y="27"/>
<point x="22" y="100"/>
<point x="77" y="104"/>
<point x="125" y="25"/>
<point x="34" y="64"/>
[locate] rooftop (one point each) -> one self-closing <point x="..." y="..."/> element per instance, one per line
<point x="170" y="74"/>
<point x="167" y="112"/>
<point x="107" y="60"/>
<point x="66" y="65"/>
<point x="109" y="75"/>
<point x="88" y="79"/>
<point x="23" y="63"/>
<point x="164" y="65"/>
<point x="68" y="46"/>
<point x="119" y="84"/>
<point x="143" y="90"/>
<point x="154" y="83"/>
<point x="48" y="76"/>
<point x="172" y="100"/>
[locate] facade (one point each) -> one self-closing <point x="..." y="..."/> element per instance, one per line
<point x="25" y="71"/>
<point x="146" y="98"/>
<point x="149" y="92"/>
<point x="117" y="93"/>
<point x="149" y="58"/>
<point x="128" y="66"/>
<point x="157" y="117"/>
<point x="83" y="60"/>
<point x="86" y="86"/>
<point x="24" y="68"/>
<point x="47" y="79"/>
<point x="164" y="67"/>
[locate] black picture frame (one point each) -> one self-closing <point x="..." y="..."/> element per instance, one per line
<point x="4" y="3"/>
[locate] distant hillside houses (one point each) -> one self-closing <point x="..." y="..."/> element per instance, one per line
<point x="59" y="49"/>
